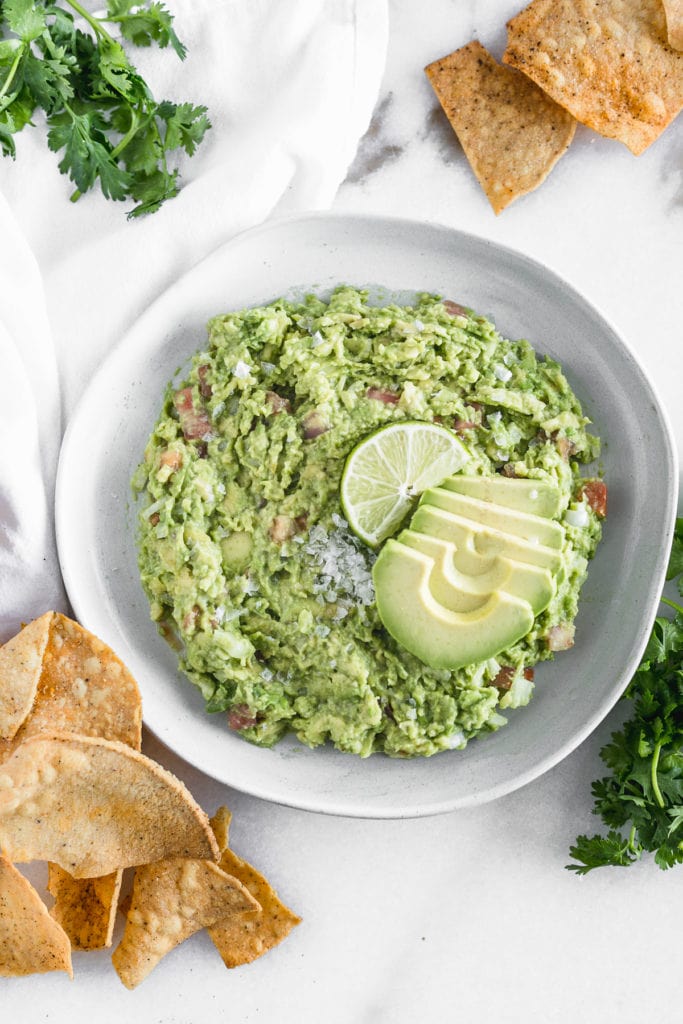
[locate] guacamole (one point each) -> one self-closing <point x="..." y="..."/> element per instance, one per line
<point x="251" y="568"/>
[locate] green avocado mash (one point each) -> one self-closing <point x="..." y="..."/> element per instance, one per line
<point x="244" y="554"/>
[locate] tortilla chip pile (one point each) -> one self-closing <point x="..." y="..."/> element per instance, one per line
<point x="76" y="791"/>
<point x="613" y="65"/>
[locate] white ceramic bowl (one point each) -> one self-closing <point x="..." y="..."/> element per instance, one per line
<point x="394" y="258"/>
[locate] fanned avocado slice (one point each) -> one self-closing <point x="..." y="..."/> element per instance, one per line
<point x="459" y="591"/>
<point x="442" y="638"/>
<point x="539" y="497"/>
<point x="478" y="545"/>
<point x="532" y="528"/>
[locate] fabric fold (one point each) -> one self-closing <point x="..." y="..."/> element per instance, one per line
<point x="290" y="89"/>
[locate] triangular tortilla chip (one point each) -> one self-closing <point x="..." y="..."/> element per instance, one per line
<point x="171" y="901"/>
<point x="93" y="806"/>
<point x="83" y="688"/>
<point x="30" y="941"/>
<point x="220" y="826"/>
<point x="242" y="938"/>
<point x="608" y="63"/>
<point x="511" y="132"/>
<point x="21" y="660"/>
<point x="85" y="907"/>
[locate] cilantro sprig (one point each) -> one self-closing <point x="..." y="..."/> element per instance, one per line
<point x="101" y="116"/>
<point x="641" y="801"/>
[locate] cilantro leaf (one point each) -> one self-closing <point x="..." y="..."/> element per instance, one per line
<point x="598" y="851"/>
<point x="185" y="125"/>
<point x="644" y="791"/>
<point x="676" y="557"/>
<point x="24" y="18"/>
<point x="145" y="26"/>
<point x="102" y="117"/>
<point x="87" y="153"/>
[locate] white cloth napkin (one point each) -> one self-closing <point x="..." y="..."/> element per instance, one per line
<point x="290" y="86"/>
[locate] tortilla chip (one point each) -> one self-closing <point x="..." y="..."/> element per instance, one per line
<point x="93" y="806"/>
<point x="170" y="902"/>
<point x="85" y="907"/>
<point x="30" y="941"/>
<point x="220" y="826"/>
<point x="21" y="660"/>
<point x="673" y="11"/>
<point x="242" y="938"/>
<point x="607" y="62"/>
<point x="84" y="688"/>
<point x="511" y="132"/>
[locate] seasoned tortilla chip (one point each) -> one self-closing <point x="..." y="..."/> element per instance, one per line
<point x="220" y="826"/>
<point x="511" y="132"/>
<point x="85" y="907"/>
<point x="84" y="688"/>
<point x="93" y="806"/>
<point x="673" y="10"/>
<point x="30" y="941"/>
<point x="242" y="938"/>
<point x="21" y="660"/>
<point x="607" y="62"/>
<point x="171" y="901"/>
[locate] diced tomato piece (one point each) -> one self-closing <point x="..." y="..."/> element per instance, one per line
<point x="454" y="308"/>
<point x="241" y="717"/>
<point x="205" y="389"/>
<point x="461" y="426"/>
<point x="503" y="680"/>
<point x="314" y="424"/>
<point x="595" y="493"/>
<point x="194" y="422"/>
<point x="277" y="403"/>
<point x="379" y="395"/>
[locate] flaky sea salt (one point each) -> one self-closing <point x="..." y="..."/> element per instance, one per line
<point x="241" y="370"/>
<point x="344" y="566"/>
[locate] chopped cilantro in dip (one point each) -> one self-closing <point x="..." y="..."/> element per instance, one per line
<point x="243" y="550"/>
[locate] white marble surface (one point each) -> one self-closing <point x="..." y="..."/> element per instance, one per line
<point x="468" y="916"/>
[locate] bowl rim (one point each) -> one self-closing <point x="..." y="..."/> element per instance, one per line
<point x="669" y="454"/>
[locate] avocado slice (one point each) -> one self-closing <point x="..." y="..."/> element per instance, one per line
<point x="529" y="527"/>
<point x="477" y="546"/>
<point x="538" y="497"/>
<point x="460" y="591"/>
<point x="441" y="638"/>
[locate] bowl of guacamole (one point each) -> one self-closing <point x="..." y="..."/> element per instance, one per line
<point x="238" y="591"/>
<point x="249" y="564"/>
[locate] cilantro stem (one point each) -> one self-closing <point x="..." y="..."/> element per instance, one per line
<point x="653" y="774"/>
<point x="117" y="150"/>
<point x="672" y="604"/>
<point x="12" y="72"/>
<point x="94" y="23"/>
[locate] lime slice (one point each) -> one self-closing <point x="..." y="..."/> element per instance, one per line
<point x="390" y="468"/>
